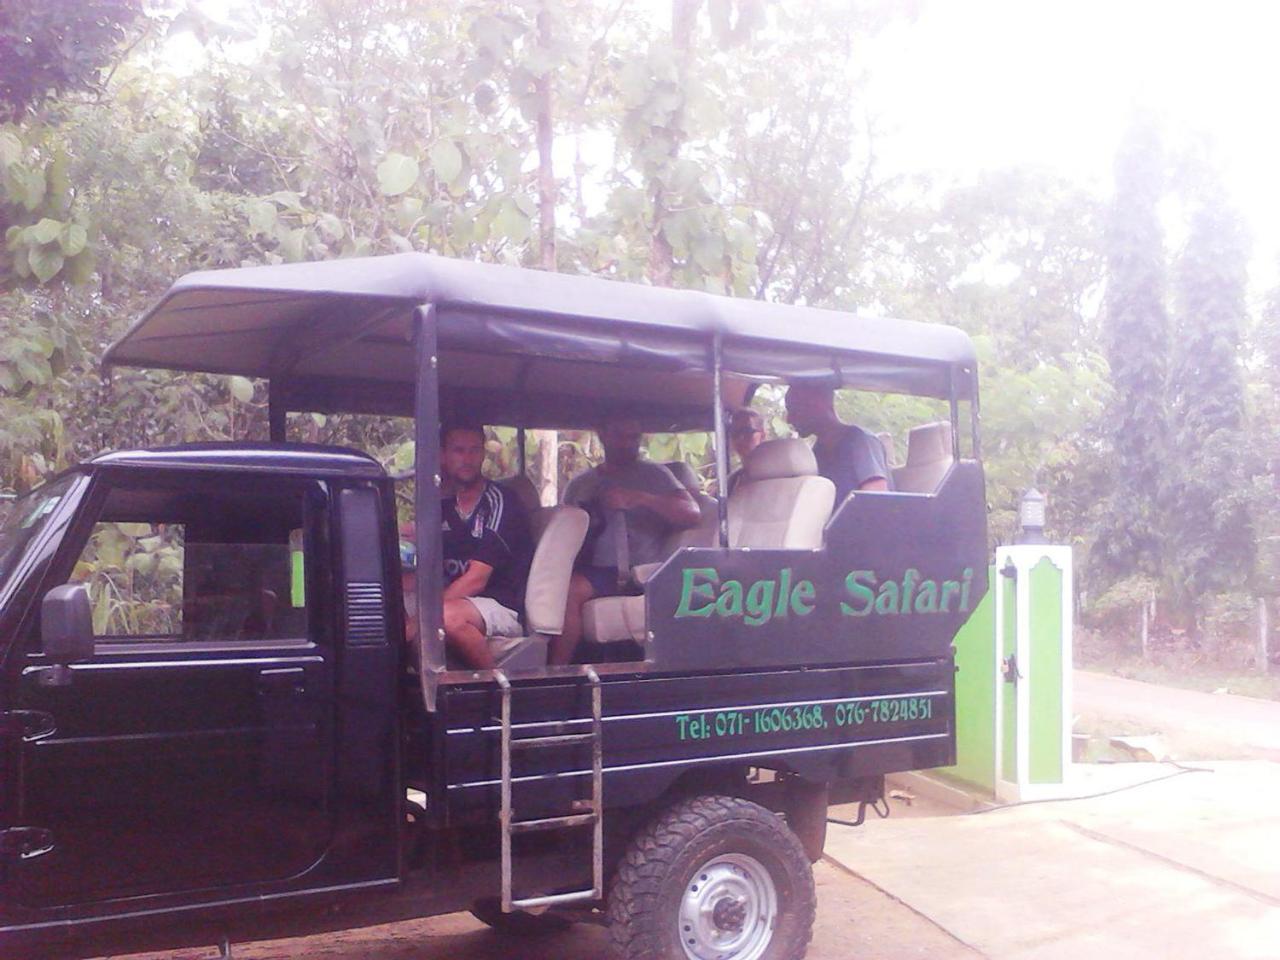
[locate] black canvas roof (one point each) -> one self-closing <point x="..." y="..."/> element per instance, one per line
<point x="338" y="335"/>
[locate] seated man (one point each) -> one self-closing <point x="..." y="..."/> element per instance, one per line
<point x="634" y="505"/>
<point x="487" y="548"/>
<point x="847" y="455"/>
<point x="746" y="432"/>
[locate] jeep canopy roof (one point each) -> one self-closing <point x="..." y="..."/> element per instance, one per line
<point x="522" y="347"/>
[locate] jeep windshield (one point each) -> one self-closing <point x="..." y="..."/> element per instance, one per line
<point x="24" y="520"/>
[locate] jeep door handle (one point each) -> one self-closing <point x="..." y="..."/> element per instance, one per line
<point x="282" y="680"/>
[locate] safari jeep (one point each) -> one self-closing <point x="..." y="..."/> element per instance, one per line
<point x="211" y="728"/>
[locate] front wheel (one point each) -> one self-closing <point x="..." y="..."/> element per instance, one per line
<point x="713" y="878"/>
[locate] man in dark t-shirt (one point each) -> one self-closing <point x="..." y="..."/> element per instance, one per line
<point x="487" y="549"/>
<point x="639" y="503"/>
<point x="847" y="455"/>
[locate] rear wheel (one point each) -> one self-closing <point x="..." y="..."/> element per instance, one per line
<point x="713" y="878"/>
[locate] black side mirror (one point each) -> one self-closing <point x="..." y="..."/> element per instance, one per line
<point x="66" y="629"/>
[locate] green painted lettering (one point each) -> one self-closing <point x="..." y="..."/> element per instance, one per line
<point x="887" y="599"/>
<point x="784" y="590"/>
<point x="691" y="590"/>
<point x="759" y="603"/>
<point x="859" y="591"/>
<point x="729" y="603"/>
<point x="950" y="588"/>
<point x="802" y="598"/>
<point x="964" y="589"/>
<point x="927" y="598"/>
<point x="909" y="581"/>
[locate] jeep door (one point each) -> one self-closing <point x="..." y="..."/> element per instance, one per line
<point x="193" y="750"/>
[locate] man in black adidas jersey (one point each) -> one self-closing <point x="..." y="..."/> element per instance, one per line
<point x="487" y="549"/>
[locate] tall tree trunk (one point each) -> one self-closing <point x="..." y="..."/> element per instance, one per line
<point x="547" y="193"/>
<point x="684" y="18"/>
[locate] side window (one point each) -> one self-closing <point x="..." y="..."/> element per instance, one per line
<point x="134" y="574"/>
<point x="183" y="564"/>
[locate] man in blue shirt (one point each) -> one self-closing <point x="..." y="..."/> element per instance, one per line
<point x="847" y="455"/>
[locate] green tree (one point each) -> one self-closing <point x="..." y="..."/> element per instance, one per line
<point x="1136" y="338"/>
<point x="1210" y="543"/>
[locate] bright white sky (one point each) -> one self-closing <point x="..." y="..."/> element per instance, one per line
<point x="979" y="84"/>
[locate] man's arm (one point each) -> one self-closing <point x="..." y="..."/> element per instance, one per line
<point x="472" y="582"/>
<point x="677" y="508"/>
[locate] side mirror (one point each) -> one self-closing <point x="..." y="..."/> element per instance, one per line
<point x="66" y="629"/>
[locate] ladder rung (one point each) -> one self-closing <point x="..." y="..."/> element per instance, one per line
<point x="553" y="899"/>
<point x="553" y="823"/>
<point x="562" y="740"/>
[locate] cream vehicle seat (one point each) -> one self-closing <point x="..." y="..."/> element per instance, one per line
<point x="558" y="533"/>
<point x="781" y="503"/>
<point x="929" y="458"/>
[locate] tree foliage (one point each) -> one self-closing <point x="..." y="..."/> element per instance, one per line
<point x="726" y="147"/>
<point x="1210" y="536"/>
<point x="1136" y="339"/>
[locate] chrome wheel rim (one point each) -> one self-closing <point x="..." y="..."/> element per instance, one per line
<point x="728" y="910"/>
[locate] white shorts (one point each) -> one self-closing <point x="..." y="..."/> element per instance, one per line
<point x="499" y="621"/>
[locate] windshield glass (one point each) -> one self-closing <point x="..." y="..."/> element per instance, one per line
<point x="23" y="521"/>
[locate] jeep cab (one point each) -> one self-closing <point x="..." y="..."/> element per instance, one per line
<point x="211" y="727"/>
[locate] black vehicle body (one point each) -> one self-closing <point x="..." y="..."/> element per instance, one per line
<point x="167" y="793"/>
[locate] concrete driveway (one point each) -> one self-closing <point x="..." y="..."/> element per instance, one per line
<point x="1187" y="867"/>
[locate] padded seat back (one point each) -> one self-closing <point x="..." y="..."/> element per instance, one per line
<point x="781" y="502"/>
<point x="929" y="458"/>
<point x="558" y="533"/>
<point x="524" y="490"/>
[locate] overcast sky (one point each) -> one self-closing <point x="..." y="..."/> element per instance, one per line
<point x="978" y="84"/>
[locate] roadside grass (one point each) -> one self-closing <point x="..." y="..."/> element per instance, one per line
<point x="1174" y="670"/>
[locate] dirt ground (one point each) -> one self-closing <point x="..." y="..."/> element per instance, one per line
<point x="855" y="920"/>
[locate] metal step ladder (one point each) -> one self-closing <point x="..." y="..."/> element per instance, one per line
<point x="594" y="816"/>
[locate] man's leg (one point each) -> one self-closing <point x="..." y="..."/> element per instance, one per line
<point x="464" y="632"/>
<point x="562" y="647"/>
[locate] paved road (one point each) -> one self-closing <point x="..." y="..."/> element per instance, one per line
<point x="855" y="920"/>
<point x="1200" y="724"/>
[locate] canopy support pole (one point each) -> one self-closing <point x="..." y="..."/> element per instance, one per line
<point x="426" y="492"/>
<point x="277" y="416"/>
<point x="721" y="445"/>
<point x="520" y="448"/>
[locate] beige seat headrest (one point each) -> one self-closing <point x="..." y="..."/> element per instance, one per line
<point x="929" y="443"/>
<point x="779" y="459"/>
<point x="684" y="473"/>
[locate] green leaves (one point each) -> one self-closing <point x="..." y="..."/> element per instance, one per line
<point x="446" y="160"/>
<point x="241" y="388"/>
<point x="73" y="238"/>
<point x="45" y="262"/>
<point x="396" y="174"/>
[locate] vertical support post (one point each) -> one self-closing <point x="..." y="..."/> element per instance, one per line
<point x="721" y="440"/>
<point x="520" y="456"/>
<point x="954" y="409"/>
<point x="277" y="415"/>
<point x="427" y="504"/>
<point x="1146" y="628"/>
<point x="973" y="420"/>
<point x="1264" y="636"/>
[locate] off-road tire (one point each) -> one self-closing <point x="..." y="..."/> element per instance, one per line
<point x="517" y="924"/>
<point x="645" y="897"/>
